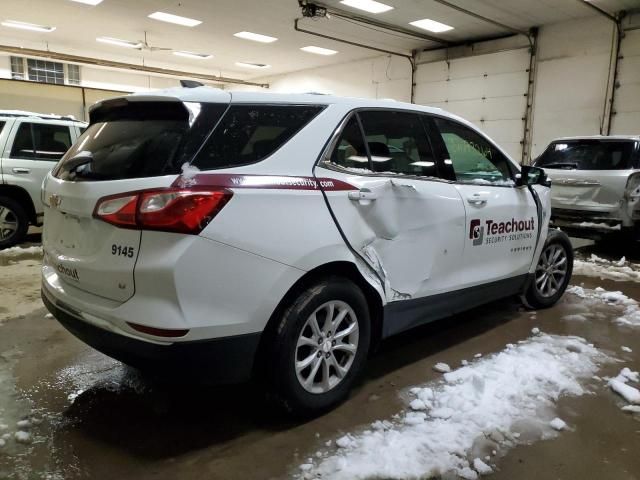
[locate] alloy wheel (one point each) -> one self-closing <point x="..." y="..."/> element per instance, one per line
<point x="551" y="270"/>
<point x="8" y="223"/>
<point x="326" y="347"/>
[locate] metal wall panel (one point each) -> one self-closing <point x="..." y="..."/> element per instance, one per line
<point x="488" y="90"/>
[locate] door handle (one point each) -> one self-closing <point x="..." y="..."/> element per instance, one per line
<point x="478" y="199"/>
<point x="403" y="185"/>
<point x="20" y="170"/>
<point x="363" y="194"/>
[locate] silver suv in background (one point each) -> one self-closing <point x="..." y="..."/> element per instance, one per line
<point x="595" y="183"/>
<point x="30" y="146"/>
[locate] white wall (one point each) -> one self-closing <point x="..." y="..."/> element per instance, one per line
<point x="385" y="76"/>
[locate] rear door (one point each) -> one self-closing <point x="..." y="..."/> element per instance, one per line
<point x="130" y="145"/>
<point x="589" y="174"/>
<point x="400" y="218"/>
<point x="32" y="151"/>
<point x="502" y="225"/>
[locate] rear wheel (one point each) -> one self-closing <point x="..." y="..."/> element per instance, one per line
<point x="14" y="222"/>
<point x="320" y="347"/>
<point x="552" y="273"/>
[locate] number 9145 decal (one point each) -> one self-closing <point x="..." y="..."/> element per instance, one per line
<point x="122" y="251"/>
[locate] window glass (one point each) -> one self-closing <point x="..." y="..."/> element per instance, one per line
<point x="350" y="152"/>
<point x="473" y="158"/>
<point x="398" y="143"/>
<point x="137" y="140"/>
<point x="17" y="68"/>
<point x="250" y="133"/>
<point x="588" y="154"/>
<point x="50" y="141"/>
<point x="23" y="143"/>
<point x="45" y="71"/>
<point x="1" y="126"/>
<point x="73" y="74"/>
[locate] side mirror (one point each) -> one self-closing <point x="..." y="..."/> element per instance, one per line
<point x="532" y="176"/>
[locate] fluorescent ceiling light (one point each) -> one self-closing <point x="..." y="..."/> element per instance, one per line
<point x="199" y="56"/>
<point x="88" y="2"/>
<point x="119" y="43"/>
<point x="256" y="37"/>
<point x="167" y="17"/>
<point x="27" y="26"/>
<point x="431" y="25"/>
<point x="319" y="50"/>
<point x="252" y="65"/>
<point x="370" y="6"/>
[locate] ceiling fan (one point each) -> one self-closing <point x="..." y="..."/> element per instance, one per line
<point x="145" y="45"/>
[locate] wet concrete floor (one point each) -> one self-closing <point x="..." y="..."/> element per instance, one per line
<point x="92" y="417"/>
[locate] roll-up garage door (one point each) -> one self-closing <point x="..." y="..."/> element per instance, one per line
<point x="488" y="90"/>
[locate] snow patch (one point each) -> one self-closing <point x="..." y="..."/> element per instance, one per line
<point x="618" y="270"/>
<point x="22" y="437"/>
<point x="619" y="385"/>
<point x="442" y="367"/>
<point x="475" y="408"/>
<point x="626" y="349"/>
<point x="481" y="467"/>
<point x="14" y="252"/>
<point x="629" y="308"/>
<point x="631" y="408"/>
<point x="558" y="424"/>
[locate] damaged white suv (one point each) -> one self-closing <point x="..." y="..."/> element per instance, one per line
<point x="230" y="235"/>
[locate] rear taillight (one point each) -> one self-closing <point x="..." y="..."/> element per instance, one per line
<point x="168" y="209"/>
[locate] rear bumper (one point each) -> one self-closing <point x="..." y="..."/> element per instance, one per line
<point x="222" y="360"/>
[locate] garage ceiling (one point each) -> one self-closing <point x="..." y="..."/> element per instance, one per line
<point x="78" y="25"/>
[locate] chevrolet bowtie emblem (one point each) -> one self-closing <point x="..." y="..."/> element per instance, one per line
<point x="54" y="200"/>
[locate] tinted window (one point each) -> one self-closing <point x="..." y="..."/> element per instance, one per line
<point x="40" y="141"/>
<point x="2" y="126"/>
<point x="473" y="158"/>
<point x="588" y="155"/>
<point x="350" y="151"/>
<point x="398" y="143"/>
<point x="137" y="140"/>
<point x="250" y="133"/>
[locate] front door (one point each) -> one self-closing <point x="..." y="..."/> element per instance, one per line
<point x="501" y="219"/>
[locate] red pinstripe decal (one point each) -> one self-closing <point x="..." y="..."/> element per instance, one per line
<point x="278" y="182"/>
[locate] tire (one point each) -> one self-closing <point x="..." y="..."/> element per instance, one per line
<point x="553" y="272"/>
<point x="14" y="222"/>
<point x="285" y="382"/>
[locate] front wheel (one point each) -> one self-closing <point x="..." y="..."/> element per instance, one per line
<point x="552" y="273"/>
<point x="320" y="347"/>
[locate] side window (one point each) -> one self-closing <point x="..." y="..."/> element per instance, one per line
<point x="2" y="126"/>
<point x="350" y="152"/>
<point x="398" y="143"/>
<point x="473" y="158"/>
<point x="23" y="143"/>
<point x="40" y="141"/>
<point x="250" y="133"/>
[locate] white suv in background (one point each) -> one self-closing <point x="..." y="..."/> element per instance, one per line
<point x="30" y="146"/>
<point x="230" y="235"/>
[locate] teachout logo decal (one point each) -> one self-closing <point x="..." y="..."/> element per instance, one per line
<point x="476" y="232"/>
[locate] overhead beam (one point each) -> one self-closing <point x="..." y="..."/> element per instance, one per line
<point x="482" y="17"/>
<point x="599" y="10"/>
<point x="64" y="57"/>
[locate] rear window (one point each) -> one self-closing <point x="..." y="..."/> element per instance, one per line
<point x="589" y="155"/>
<point x="134" y="140"/>
<point x="250" y="133"/>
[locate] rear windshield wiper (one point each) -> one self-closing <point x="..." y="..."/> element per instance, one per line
<point x="561" y="165"/>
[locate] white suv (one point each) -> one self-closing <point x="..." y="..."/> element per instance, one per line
<point x="30" y="146"/>
<point x="229" y="235"/>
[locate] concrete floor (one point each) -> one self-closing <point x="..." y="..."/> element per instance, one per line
<point x="94" y="418"/>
